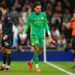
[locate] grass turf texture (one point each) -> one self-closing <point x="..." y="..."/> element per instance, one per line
<point x="21" y="68"/>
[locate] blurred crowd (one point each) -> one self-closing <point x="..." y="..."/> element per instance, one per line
<point x="59" y="14"/>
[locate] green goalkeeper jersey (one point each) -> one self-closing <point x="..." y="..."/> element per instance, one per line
<point x="37" y="23"/>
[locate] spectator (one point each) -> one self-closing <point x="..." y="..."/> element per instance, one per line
<point x="0" y="37"/>
<point x="15" y="32"/>
<point x="30" y="7"/>
<point x="49" y="7"/>
<point x="44" y="5"/>
<point x="58" y="7"/>
<point x="17" y="43"/>
<point x="17" y="5"/>
<point x="21" y="26"/>
<point x="4" y="2"/>
<point x="8" y="3"/>
<point x="21" y="2"/>
<point x="20" y="17"/>
<point x="67" y="15"/>
<point x="66" y="32"/>
<point x="67" y="4"/>
<point x="62" y="42"/>
<point x="20" y="30"/>
<point x="66" y="23"/>
<point x="73" y="10"/>
<point x="14" y="14"/>
<point x="53" y="2"/>
<point x="55" y="33"/>
<point x="55" y="19"/>
<point x="24" y="14"/>
<point x="49" y="14"/>
<point x="57" y="11"/>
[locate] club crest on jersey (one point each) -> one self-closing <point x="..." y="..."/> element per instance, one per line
<point x="9" y="18"/>
<point x="38" y="18"/>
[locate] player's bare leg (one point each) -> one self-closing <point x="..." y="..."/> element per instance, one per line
<point x="37" y="53"/>
<point x="35" y="59"/>
<point x="73" y="52"/>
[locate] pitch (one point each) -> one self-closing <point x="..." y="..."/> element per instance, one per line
<point x="21" y="68"/>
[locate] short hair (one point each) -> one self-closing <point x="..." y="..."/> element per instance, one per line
<point x="4" y="6"/>
<point x="37" y="4"/>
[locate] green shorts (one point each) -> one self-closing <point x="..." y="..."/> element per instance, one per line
<point x="35" y="40"/>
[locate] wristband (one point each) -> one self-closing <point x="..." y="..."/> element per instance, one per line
<point x="23" y="36"/>
<point x="49" y="33"/>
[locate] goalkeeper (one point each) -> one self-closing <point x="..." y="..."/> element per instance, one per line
<point x="37" y="22"/>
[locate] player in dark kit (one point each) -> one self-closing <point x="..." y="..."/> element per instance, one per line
<point x="7" y="38"/>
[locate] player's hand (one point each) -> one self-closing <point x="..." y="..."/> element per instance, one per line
<point x="51" y="40"/>
<point x="23" y="40"/>
<point x="5" y="37"/>
<point x="50" y="37"/>
<point x="72" y="19"/>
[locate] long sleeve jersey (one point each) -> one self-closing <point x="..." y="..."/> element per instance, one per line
<point x="72" y="26"/>
<point x="6" y="24"/>
<point x="37" y="23"/>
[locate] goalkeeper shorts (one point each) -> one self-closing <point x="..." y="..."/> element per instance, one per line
<point x="35" y="40"/>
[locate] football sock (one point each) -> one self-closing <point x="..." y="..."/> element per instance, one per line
<point x="4" y="58"/>
<point x="74" y="56"/>
<point x="32" y="61"/>
<point x="37" y="66"/>
<point x="36" y="59"/>
<point x="8" y="59"/>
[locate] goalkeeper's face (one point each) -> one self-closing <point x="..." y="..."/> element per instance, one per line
<point x="37" y="9"/>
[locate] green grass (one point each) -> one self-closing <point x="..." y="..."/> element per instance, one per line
<point x="21" y="68"/>
<point x="66" y="65"/>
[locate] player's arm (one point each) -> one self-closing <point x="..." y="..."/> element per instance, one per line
<point x="9" y="22"/>
<point x="26" y="26"/>
<point x="70" y="27"/>
<point x="47" y="28"/>
<point x="48" y="31"/>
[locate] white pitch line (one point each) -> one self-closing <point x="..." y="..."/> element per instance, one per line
<point x="67" y="72"/>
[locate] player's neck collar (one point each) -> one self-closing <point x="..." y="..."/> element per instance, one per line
<point x="37" y="13"/>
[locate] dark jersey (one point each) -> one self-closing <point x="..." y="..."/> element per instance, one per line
<point x="6" y="24"/>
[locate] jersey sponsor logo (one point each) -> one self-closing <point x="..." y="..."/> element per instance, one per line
<point x="3" y="18"/>
<point x="6" y="43"/>
<point x="42" y="18"/>
<point x="9" y="18"/>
